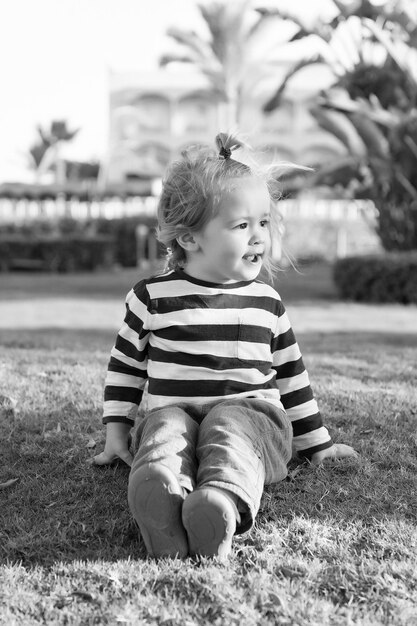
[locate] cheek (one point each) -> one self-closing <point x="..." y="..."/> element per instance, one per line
<point x="234" y="245"/>
<point x="227" y="253"/>
<point x="268" y="237"/>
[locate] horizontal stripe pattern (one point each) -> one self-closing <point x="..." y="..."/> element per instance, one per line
<point x="210" y="302"/>
<point x="205" y="387"/>
<point x="317" y="438"/>
<point x="183" y="372"/>
<point x="197" y="342"/>
<point x="124" y="394"/>
<point x="216" y="332"/>
<point x="270" y="395"/>
<point x="205" y="361"/>
<point x="119" y="411"/>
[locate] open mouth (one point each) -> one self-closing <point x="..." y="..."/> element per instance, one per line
<point x="253" y="258"/>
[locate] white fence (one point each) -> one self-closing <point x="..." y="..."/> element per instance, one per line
<point x="325" y="209"/>
<point x="23" y="209"/>
<point x="331" y="228"/>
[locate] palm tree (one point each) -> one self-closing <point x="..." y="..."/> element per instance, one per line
<point x="381" y="162"/>
<point x="231" y="57"/>
<point x="45" y="153"/>
<point x="341" y="42"/>
<point x="371" y="109"/>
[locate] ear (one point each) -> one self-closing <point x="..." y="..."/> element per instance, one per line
<point x="187" y="242"/>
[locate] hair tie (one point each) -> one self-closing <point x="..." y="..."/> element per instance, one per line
<point x="226" y="153"/>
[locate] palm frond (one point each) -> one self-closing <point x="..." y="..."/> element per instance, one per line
<point x="60" y="132"/>
<point x="339" y="101"/>
<point x="406" y="184"/>
<point x="344" y="9"/>
<point x="275" y="101"/>
<point x="359" y="8"/>
<point x="412" y="145"/>
<point x="338" y="125"/>
<point x="372" y="136"/>
<point x="190" y="40"/>
<point x="166" y="59"/>
<point x="361" y="48"/>
<point x="402" y="14"/>
<point x="225" y="22"/>
<point x="371" y="109"/>
<point x="386" y="41"/>
<point x="263" y="19"/>
<point x="37" y="152"/>
<point x="320" y="28"/>
<point x="281" y="13"/>
<point x="45" y="138"/>
<point x="335" y="168"/>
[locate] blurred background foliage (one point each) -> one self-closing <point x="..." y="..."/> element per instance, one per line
<point x="370" y="107"/>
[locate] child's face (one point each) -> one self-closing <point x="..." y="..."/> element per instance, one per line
<point x="233" y="245"/>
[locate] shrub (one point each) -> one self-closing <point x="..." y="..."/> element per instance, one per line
<point x="123" y="231"/>
<point x="55" y="252"/>
<point x="391" y="277"/>
<point x="67" y="244"/>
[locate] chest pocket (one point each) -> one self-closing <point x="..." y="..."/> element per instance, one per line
<point x="253" y="342"/>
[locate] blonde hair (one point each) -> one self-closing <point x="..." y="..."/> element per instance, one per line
<point x="194" y="185"/>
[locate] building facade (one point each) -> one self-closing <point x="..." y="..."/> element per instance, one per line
<point x="154" y="116"/>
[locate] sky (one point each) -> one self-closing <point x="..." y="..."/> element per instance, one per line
<point x="55" y="58"/>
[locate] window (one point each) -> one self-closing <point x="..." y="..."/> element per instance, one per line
<point x="196" y="113"/>
<point x="153" y="112"/>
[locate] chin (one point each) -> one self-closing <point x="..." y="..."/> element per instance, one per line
<point x="249" y="274"/>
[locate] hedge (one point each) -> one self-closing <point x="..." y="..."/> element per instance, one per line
<point x="391" y="277"/>
<point x="67" y="244"/>
<point x="123" y="231"/>
<point x="56" y="253"/>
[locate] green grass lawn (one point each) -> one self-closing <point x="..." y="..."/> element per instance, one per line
<point x="331" y="545"/>
<point x="305" y="283"/>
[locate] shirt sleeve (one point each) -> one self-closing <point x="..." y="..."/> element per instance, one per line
<point x="127" y="369"/>
<point x="297" y="397"/>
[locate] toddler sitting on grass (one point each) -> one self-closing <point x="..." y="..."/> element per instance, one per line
<point x="228" y="393"/>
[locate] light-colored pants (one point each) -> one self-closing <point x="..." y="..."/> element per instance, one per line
<point x="239" y="445"/>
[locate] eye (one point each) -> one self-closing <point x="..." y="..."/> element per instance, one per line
<point x="264" y="223"/>
<point x="242" y="226"/>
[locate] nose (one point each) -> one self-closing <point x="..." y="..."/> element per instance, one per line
<point x="257" y="235"/>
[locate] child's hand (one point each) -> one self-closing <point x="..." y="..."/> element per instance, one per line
<point x="336" y="451"/>
<point x="116" y="446"/>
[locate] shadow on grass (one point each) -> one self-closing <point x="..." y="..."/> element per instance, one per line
<point x="63" y="509"/>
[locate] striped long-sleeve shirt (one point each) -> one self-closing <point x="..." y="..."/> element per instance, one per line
<point x="197" y="342"/>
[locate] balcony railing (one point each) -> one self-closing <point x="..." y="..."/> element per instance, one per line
<point x="312" y="227"/>
<point x="24" y="209"/>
